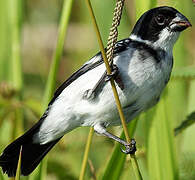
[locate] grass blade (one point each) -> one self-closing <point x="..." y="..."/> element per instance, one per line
<point x="161" y="151"/>
<point x="186" y="123"/>
<point x="50" y="86"/>
<point x="187" y="160"/>
<point x="4" y="41"/>
<point x="64" y="20"/>
<point x="15" y="69"/>
<point x="19" y="166"/>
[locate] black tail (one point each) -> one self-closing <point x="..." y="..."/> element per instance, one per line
<point x="32" y="153"/>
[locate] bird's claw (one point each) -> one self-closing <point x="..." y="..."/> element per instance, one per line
<point x="116" y="76"/>
<point x="89" y="94"/>
<point x="130" y="148"/>
<point x="113" y="74"/>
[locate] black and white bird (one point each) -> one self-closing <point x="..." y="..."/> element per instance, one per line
<point x="143" y="63"/>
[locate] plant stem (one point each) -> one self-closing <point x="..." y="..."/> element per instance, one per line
<point x="15" y="70"/>
<point x="86" y="153"/>
<point x="51" y="82"/>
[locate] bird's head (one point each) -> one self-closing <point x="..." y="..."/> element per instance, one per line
<point x="160" y="27"/>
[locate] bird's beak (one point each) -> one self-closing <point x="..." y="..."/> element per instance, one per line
<point x="180" y="23"/>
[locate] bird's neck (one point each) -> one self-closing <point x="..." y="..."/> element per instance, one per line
<point x="164" y="42"/>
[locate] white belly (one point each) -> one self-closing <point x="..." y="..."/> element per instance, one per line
<point x="143" y="83"/>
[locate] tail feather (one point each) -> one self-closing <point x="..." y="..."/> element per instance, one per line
<point x="32" y="153"/>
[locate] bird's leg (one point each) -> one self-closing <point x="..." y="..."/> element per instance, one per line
<point x="130" y="148"/>
<point x="92" y="93"/>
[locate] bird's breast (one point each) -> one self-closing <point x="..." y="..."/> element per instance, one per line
<point x="144" y="80"/>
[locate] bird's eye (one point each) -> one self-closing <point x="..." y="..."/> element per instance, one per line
<point x="160" y="19"/>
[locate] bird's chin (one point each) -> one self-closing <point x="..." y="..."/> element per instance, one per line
<point x="180" y="26"/>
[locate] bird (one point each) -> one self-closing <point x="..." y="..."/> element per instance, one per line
<point x="142" y="66"/>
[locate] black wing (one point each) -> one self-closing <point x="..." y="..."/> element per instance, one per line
<point x="120" y="46"/>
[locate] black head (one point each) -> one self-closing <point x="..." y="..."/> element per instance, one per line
<point x="152" y="23"/>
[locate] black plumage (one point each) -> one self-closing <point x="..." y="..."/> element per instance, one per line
<point x="32" y="153"/>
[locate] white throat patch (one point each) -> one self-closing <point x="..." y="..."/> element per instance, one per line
<point x="166" y="40"/>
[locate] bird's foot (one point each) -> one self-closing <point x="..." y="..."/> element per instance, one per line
<point x="115" y="75"/>
<point x="130" y="148"/>
<point x="89" y="94"/>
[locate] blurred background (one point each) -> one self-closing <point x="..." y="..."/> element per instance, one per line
<point x="28" y="45"/>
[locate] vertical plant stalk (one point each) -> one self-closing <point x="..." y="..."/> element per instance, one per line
<point x="5" y="44"/>
<point x="86" y="153"/>
<point x="161" y="141"/>
<point x="51" y="82"/>
<point x="119" y="107"/>
<point x="15" y="71"/>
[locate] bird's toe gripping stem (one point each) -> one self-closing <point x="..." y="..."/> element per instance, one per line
<point x="114" y="73"/>
<point x="130" y="148"/>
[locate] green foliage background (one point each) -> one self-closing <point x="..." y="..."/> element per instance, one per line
<point x="31" y="44"/>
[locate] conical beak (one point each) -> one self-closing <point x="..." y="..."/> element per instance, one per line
<point x="180" y="23"/>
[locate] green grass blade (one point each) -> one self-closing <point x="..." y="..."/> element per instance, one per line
<point x="4" y="41"/>
<point x="161" y="151"/>
<point x="16" y="69"/>
<point x="186" y="123"/>
<point x="115" y="165"/>
<point x="178" y="89"/>
<point x="187" y="160"/>
<point x="19" y="166"/>
<point x="50" y="86"/>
